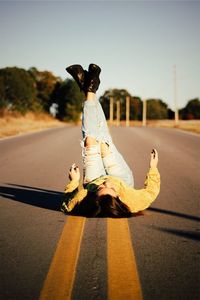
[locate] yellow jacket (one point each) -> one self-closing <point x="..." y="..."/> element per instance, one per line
<point x="136" y="200"/>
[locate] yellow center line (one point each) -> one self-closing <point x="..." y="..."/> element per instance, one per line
<point x="60" y="278"/>
<point x="123" y="279"/>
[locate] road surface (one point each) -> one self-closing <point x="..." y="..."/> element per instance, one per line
<point x="154" y="256"/>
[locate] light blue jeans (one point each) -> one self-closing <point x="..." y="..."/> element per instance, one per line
<point x="94" y="166"/>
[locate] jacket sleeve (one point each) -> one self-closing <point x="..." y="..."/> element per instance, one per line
<point x="72" y="196"/>
<point x="138" y="200"/>
<point x="71" y="186"/>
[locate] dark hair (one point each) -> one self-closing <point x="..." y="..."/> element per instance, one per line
<point x="102" y="206"/>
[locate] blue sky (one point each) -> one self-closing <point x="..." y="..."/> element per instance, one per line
<point x="136" y="43"/>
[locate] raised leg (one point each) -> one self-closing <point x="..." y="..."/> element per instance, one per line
<point x="98" y="142"/>
<point x="94" y="121"/>
<point x="100" y="156"/>
<point x="92" y="161"/>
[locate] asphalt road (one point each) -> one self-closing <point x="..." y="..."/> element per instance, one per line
<point x="33" y="174"/>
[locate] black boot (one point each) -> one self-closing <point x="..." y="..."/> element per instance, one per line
<point x="77" y="72"/>
<point x="92" y="80"/>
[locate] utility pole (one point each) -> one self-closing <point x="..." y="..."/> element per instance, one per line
<point x="111" y="110"/>
<point x="127" y="111"/>
<point x="118" y="112"/>
<point x="175" y="98"/>
<point x="144" y="113"/>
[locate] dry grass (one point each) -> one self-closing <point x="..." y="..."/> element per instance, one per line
<point x="189" y="125"/>
<point x="15" y="124"/>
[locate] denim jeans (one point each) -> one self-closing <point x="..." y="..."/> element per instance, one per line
<point x="94" y="166"/>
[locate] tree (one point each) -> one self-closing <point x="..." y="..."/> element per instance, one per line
<point x="45" y="84"/>
<point x="170" y="114"/>
<point x="136" y="108"/>
<point x="156" y="109"/>
<point x="191" y="110"/>
<point x="3" y="101"/>
<point x="69" y="99"/>
<point x="118" y="95"/>
<point x="17" y="89"/>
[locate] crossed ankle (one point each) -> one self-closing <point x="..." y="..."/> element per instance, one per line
<point x="90" y="96"/>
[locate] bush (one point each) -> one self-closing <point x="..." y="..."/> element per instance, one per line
<point x="191" y="110"/>
<point x="17" y="89"/>
<point x="156" y="109"/>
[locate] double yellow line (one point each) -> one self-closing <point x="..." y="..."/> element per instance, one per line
<point x="123" y="279"/>
<point x="59" y="281"/>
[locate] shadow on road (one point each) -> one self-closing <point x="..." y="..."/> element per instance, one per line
<point x="174" y="213"/>
<point x="182" y="233"/>
<point x="31" y="195"/>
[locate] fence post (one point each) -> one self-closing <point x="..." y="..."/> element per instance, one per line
<point x="127" y="111"/>
<point x="144" y="113"/>
<point x="111" y="110"/>
<point x="118" y="112"/>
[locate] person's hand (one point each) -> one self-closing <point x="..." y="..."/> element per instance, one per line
<point x="74" y="173"/>
<point x="154" y="158"/>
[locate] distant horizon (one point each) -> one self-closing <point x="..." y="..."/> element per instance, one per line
<point x="148" y="98"/>
<point x="136" y="43"/>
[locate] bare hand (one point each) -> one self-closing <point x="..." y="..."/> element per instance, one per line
<point x="74" y="173"/>
<point x="154" y="158"/>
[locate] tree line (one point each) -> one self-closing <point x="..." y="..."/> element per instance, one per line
<point x="41" y="91"/>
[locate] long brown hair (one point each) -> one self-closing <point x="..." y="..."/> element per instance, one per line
<point x="102" y="206"/>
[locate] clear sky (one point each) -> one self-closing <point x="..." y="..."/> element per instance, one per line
<point x="136" y="43"/>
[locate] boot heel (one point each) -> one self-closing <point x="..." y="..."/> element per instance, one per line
<point x="92" y="80"/>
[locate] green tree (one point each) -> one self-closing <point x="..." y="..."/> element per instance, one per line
<point x="3" y="102"/>
<point x="156" y="109"/>
<point x="136" y="108"/>
<point x="17" y="89"/>
<point x="191" y="110"/>
<point x="120" y="95"/>
<point x="117" y="95"/>
<point x="69" y="99"/>
<point x="45" y="84"/>
<point x="170" y="114"/>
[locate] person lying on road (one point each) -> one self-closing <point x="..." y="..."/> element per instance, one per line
<point x="108" y="185"/>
